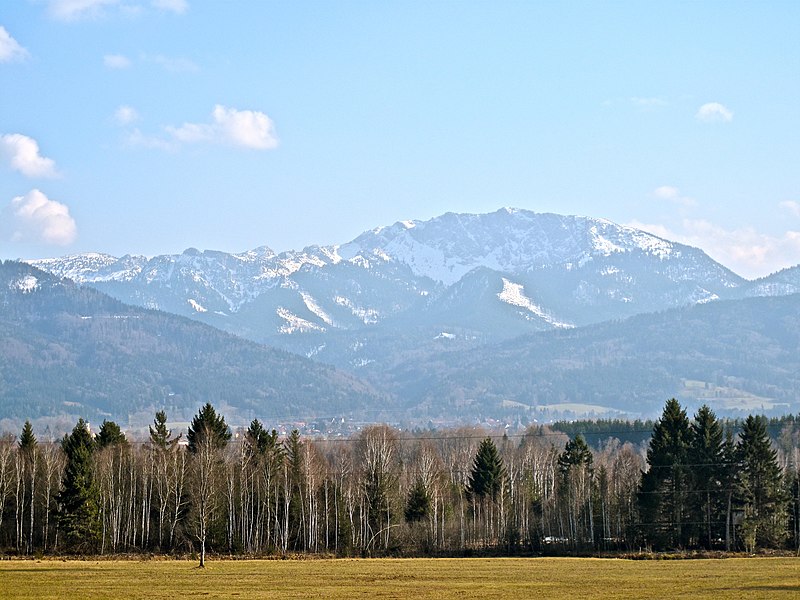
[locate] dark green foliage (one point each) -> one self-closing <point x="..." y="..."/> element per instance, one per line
<point x="78" y="516"/>
<point x="488" y="473"/>
<point x="27" y="440"/>
<point x="206" y="424"/>
<point x="161" y="437"/>
<point x="260" y="439"/>
<point x="710" y="477"/>
<point x="575" y="454"/>
<point x="418" y="503"/>
<point x="760" y="487"/>
<point x="109" y="435"/>
<point x="597" y="431"/>
<point x="665" y="486"/>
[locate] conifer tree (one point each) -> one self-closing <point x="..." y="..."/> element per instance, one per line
<point x="418" y="503"/>
<point x="576" y="485"/>
<point x="207" y="423"/>
<point x="110" y="434"/>
<point x="28" y="449"/>
<point x="760" y="486"/>
<point x="486" y="478"/>
<point x="664" y="487"/>
<point x="78" y="516"/>
<point x="208" y="435"/>
<point x="708" y="475"/>
<point x="160" y="436"/>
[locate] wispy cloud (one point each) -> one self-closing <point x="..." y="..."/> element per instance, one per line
<point x="714" y="112"/>
<point x="179" y="7"/>
<point x="745" y="250"/>
<point x="10" y="49"/>
<point x="139" y="139"/>
<point x="125" y="115"/>
<point x="673" y="194"/>
<point x="22" y="154"/>
<point x="35" y="218"/>
<point x="116" y="61"/>
<point x="75" y="10"/>
<point x="244" y="128"/>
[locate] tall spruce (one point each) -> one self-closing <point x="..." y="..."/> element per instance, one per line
<point x="486" y="477"/>
<point x="28" y="449"/>
<point x="79" y="511"/>
<point x="707" y="500"/>
<point x="664" y="488"/>
<point x="760" y="486"/>
<point x="575" y="490"/>
<point x="110" y="434"/>
<point x="208" y="423"/>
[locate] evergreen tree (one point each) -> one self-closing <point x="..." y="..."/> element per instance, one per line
<point x="78" y="501"/>
<point x="486" y="478"/>
<point x="708" y="474"/>
<point x="28" y="451"/>
<point x="664" y="487"/>
<point x="575" y="489"/>
<point x="760" y="487"/>
<point x="418" y="503"/>
<point x="207" y="423"/>
<point x="161" y="437"/>
<point x="109" y="435"/>
<point x="576" y="454"/>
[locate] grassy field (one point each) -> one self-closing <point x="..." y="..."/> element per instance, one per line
<point x="550" y="578"/>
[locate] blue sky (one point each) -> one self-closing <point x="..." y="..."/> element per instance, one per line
<point x="146" y="127"/>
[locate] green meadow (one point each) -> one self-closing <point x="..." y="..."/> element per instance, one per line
<point x="551" y="578"/>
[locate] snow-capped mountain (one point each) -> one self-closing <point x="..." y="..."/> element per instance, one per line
<point x="483" y="277"/>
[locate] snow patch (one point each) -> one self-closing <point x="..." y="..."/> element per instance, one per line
<point x="368" y="316"/>
<point x="295" y="324"/>
<point x="445" y="336"/>
<point x="197" y="306"/>
<point x="315" y="308"/>
<point x="513" y="294"/>
<point x="26" y="284"/>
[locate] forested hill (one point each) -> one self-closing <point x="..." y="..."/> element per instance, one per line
<point x="737" y="356"/>
<point x="73" y="351"/>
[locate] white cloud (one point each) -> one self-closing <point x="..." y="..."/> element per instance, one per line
<point x="125" y="115"/>
<point x="10" y="50"/>
<point x="714" y="112"/>
<point x="23" y="155"/>
<point x="673" y="194"/>
<point x="245" y="128"/>
<point x="179" y="7"/>
<point x="745" y="251"/>
<point x="791" y="207"/>
<point x="35" y="218"/>
<point x="73" y="10"/>
<point x="137" y="138"/>
<point x="116" y="61"/>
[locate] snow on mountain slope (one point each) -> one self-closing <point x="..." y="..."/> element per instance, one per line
<point x="514" y="294"/>
<point x="509" y="240"/>
<point x="782" y="283"/>
<point x="458" y="269"/>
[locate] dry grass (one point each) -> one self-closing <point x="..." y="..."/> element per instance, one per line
<point x="551" y="578"/>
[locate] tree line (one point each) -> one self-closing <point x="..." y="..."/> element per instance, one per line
<point x="695" y="484"/>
